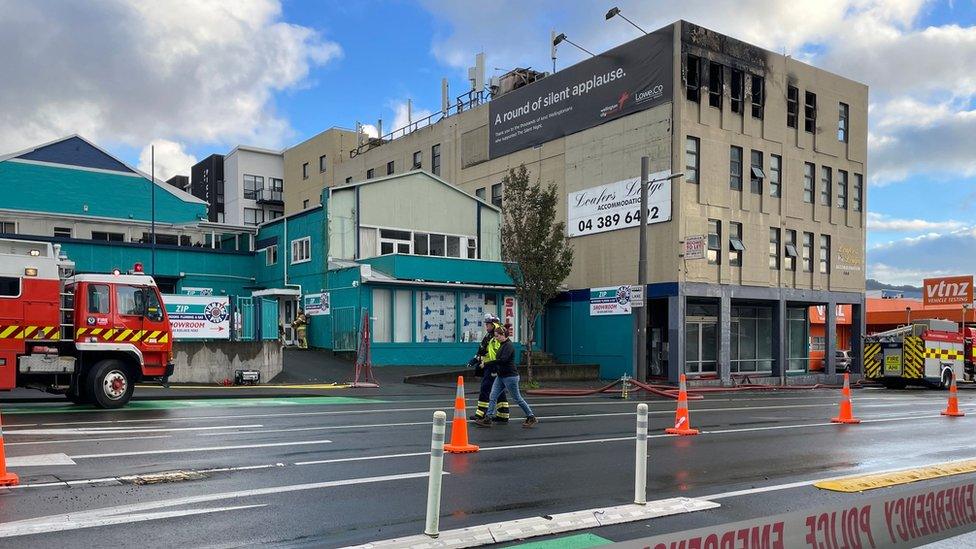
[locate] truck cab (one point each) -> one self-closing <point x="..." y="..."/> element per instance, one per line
<point x="89" y="336"/>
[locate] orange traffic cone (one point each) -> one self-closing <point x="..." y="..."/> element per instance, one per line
<point x="846" y="409"/>
<point x="682" y="421"/>
<point x="6" y="478"/>
<point x="952" y="409"/>
<point x="459" y="426"/>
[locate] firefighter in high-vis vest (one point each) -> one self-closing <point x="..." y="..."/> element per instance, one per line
<point x="486" y="352"/>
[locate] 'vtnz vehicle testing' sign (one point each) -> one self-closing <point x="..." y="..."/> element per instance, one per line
<point x="198" y="317"/>
<point x="617" y="205"/>
<point x="950" y="290"/>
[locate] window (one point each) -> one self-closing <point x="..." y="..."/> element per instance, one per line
<point x="323" y="164"/>
<point x="437" y="245"/>
<point x="433" y="309"/>
<point x="810" y="112"/>
<point x="369" y="173"/>
<point x="301" y="250"/>
<point x="714" y="242"/>
<point x="305" y="204"/>
<point x="735" y="168"/>
<point x="435" y="159"/>
<point x="8" y="227"/>
<point x="277" y="184"/>
<point x="154" y="310"/>
<point x="858" y="191"/>
<point x="774" y="248"/>
<point x="756" y="174"/>
<point x="808" y="252"/>
<point x="735" y="244"/>
<point x="480" y="193"/>
<point x="9" y="286"/>
<point x="420" y="243"/>
<point x="402" y="323"/>
<point x="349" y="180"/>
<point x="382" y="315"/>
<point x="62" y="232"/>
<point x="693" y="78"/>
<point x="130" y="300"/>
<point x="842" y="189"/>
<point x="98" y="299"/>
<point x="496" y="194"/>
<point x="107" y="237"/>
<point x="792" y="106"/>
<point x="161" y="238"/>
<point x="789" y="250"/>
<point x="808" y="171"/>
<point x="775" y="175"/>
<point x="737" y="91"/>
<point x="472" y="248"/>
<point x="824" y="254"/>
<point x="220" y="193"/>
<point x="275" y="214"/>
<point x="691" y="159"/>
<point x="305" y="170"/>
<point x="395" y="242"/>
<point x="418" y="158"/>
<point x="750" y="339"/>
<point x="453" y="246"/>
<point x="842" y="119"/>
<point x="253" y="216"/>
<point x="826" y="176"/>
<point x="271" y="255"/>
<point x="184" y="240"/>
<point x="716" y="79"/>
<point x="390" y="167"/>
<point x="758" y="96"/>
<point x="252" y="186"/>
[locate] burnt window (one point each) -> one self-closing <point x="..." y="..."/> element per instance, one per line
<point x="758" y="96"/>
<point x="792" y="106"/>
<point x="737" y="91"/>
<point x="716" y="79"/>
<point x="735" y="168"/>
<point x="691" y="159"/>
<point x="810" y="112"/>
<point x="735" y="244"/>
<point x="693" y="78"/>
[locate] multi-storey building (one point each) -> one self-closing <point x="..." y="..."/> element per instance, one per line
<point x="253" y="186"/>
<point x="311" y="166"/>
<point x="207" y="184"/>
<point x="767" y="220"/>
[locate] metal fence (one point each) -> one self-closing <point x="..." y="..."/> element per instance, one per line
<point x="242" y="310"/>
<point x="269" y="319"/>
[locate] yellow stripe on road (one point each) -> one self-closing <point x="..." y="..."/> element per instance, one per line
<point x="860" y="483"/>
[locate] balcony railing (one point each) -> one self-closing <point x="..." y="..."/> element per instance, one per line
<point x="270" y="196"/>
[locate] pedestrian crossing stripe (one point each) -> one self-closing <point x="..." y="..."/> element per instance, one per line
<point x="30" y="332"/>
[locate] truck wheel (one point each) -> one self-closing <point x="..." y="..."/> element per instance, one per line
<point x="110" y="384"/>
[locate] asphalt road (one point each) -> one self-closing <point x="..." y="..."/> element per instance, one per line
<point x="335" y="471"/>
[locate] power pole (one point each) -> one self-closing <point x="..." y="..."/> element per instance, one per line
<point x="640" y="314"/>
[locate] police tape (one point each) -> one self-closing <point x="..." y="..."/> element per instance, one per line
<point x="906" y="520"/>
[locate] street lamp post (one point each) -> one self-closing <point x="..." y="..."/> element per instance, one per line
<point x="561" y="37"/>
<point x="908" y="311"/>
<point x="614" y="11"/>
<point x="965" y="315"/>
<point x="640" y="318"/>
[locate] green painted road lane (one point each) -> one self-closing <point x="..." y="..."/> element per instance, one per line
<point x="578" y="541"/>
<point x="179" y="404"/>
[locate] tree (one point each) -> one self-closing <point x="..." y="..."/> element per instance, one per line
<point x="534" y="246"/>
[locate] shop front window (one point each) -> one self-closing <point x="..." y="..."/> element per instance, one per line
<point x="701" y="338"/>
<point x="798" y="347"/>
<point x="436" y="317"/>
<point x="751" y="339"/>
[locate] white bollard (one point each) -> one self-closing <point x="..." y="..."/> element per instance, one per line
<point x="436" y="471"/>
<point x="640" y="479"/>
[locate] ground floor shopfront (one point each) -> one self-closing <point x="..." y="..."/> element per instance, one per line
<point x="704" y="330"/>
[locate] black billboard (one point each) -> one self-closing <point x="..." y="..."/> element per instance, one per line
<point x="627" y="79"/>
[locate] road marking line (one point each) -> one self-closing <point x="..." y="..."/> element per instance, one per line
<point x="130" y="512"/>
<point x="871" y="481"/>
<point x="512" y="530"/>
<point x="205" y="449"/>
<point x="123" y="430"/>
<point x="39" y="460"/>
<point x="73" y="440"/>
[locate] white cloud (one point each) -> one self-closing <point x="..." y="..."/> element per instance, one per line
<point x="129" y="72"/>
<point x="909" y="260"/>
<point x="171" y="159"/>
<point x="881" y="222"/>
<point x="401" y="118"/>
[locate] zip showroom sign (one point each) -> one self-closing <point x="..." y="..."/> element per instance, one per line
<point x="612" y="300"/>
<point x="198" y="317"/>
<point x="617" y="205"/>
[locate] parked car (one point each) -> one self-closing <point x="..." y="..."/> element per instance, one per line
<point x="843" y="360"/>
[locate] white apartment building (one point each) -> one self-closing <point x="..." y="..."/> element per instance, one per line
<point x="253" y="186"/>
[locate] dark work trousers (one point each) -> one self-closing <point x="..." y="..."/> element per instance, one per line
<point x="501" y="414"/>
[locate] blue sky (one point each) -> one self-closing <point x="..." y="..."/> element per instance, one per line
<point x="197" y="77"/>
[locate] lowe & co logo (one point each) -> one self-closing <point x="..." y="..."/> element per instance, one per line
<point x="648" y="94"/>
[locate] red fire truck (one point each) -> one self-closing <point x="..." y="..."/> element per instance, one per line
<point x="927" y="352"/>
<point x="89" y="336"/>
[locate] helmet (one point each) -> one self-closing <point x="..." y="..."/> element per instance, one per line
<point x="490" y="317"/>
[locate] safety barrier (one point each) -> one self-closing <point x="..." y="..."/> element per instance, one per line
<point x="432" y="525"/>
<point x="6" y="477"/>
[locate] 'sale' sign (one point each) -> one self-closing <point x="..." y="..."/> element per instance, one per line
<point x="949" y="290"/>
